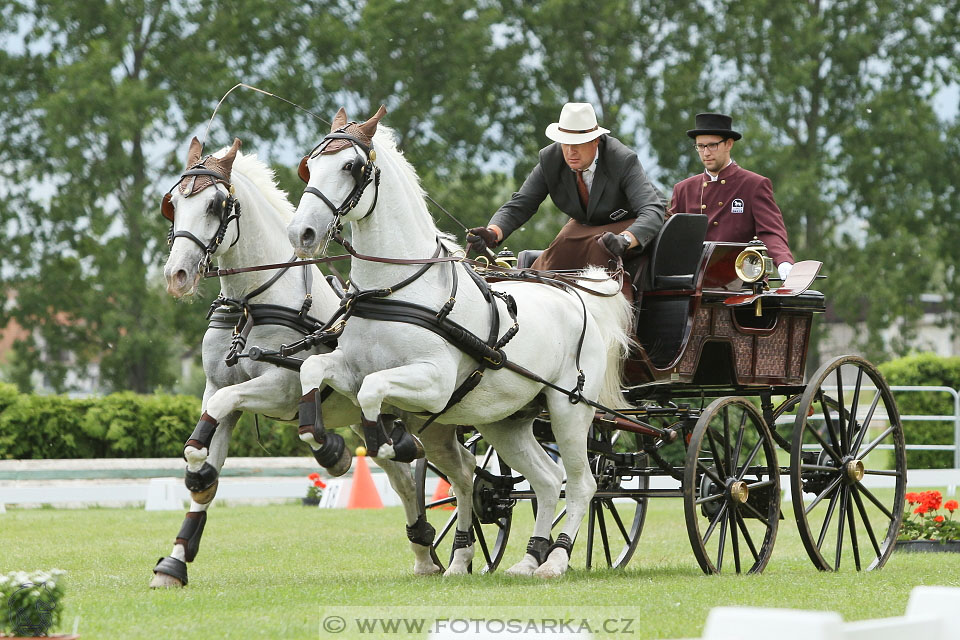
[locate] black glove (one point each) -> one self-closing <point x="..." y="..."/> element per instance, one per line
<point x="614" y="243"/>
<point x="481" y="238"/>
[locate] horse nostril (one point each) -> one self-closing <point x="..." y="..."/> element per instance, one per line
<point x="180" y="278"/>
<point x="308" y="237"/>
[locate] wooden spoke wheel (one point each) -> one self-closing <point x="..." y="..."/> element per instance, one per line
<point x="615" y="519"/>
<point x="731" y="488"/>
<point x="848" y="466"/>
<point x="491" y="528"/>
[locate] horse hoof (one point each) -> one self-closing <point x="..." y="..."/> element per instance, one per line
<point x="163" y="581"/>
<point x="342" y="465"/>
<point x="205" y="496"/>
<point x="525" y="567"/>
<point x="554" y="566"/>
<point x="460" y="563"/>
<point x="454" y="570"/>
<point x="169" y="572"/>
<point x="425" y="569"/>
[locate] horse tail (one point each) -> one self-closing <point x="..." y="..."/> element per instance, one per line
<point x="614" y="318"/>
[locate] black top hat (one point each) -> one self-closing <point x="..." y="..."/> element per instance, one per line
<point x="715" y="124"/>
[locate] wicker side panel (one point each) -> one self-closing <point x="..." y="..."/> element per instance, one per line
<point x="798" y="348"/>
<point x="772" y="351"/>
<point x="742" y="344"/>
<point x="701" y="328"/>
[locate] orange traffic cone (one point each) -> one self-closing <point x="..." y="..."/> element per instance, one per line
<point x="442" y="493"/>
<point x="363" y="492"/>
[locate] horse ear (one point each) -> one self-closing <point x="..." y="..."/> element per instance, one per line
<point x="196" y="150"/>
<point x="370" y="126"/>
<point x="227" y="160"/>
<point x="339" y="120"/>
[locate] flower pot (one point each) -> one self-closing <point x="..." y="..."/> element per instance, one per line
<point x="310" y="502"/>
<point x="929" y="546"/>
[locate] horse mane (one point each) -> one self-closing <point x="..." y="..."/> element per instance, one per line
<point x="385" y="142"/>
<point x="264" y="179"/>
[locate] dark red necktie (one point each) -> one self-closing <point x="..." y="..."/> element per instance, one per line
<point x="582" y="190"/>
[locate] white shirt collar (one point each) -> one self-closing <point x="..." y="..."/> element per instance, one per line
<point x="591" y="171"/>
<point x="714" y="178"/>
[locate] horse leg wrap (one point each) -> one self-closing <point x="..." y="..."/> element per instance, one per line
<point x="330" y="454"/>
<point x="190" y="532"/>
<point x="463" y="539"/>
<point x="202" y="434"/>
<point x="406" y="445"/>
<point x="563" y="542"/>
<point x="199" y="481"/>
<point x="421" y="532"/>
<point x="311" y="416"/>
<point x="538" y="548"/>
<point x="172" y="567"/>
<point x="375" y="432"/>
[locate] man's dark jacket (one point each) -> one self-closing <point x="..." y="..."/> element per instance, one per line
<point x="619" y="183"/>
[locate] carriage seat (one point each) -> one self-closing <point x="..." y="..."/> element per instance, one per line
<point x="527" y="257"/>
<point x="675" y="254"/>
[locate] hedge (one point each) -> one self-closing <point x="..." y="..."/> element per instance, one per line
<point x="124" y="425"/>
<point x="925" y="369"/>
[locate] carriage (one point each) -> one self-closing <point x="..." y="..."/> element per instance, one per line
<point x="715" y="410"/>
<point x="723" y="421"/>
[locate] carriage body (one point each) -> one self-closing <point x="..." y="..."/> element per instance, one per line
<point x="698" y="336"/>
<point x="719" y="397"/>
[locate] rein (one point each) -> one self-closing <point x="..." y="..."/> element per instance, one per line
<point x="552" y="278"/>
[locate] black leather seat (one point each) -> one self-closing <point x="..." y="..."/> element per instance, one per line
<point x="526" y="258"/>
<point x="675" y="254"/>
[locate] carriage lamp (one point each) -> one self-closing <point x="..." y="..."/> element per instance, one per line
<point x="751" y="266"/>
<point x="505" y="258"/>
<point x="753" y="263"/>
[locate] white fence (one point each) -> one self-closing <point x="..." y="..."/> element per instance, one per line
<point x="158" y="482"/>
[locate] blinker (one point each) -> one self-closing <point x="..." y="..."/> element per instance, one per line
<point x="166" y="206"/>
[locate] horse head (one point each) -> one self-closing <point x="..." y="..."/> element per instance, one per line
<point x="337" y="172"/>
<point x="200" y="208"/>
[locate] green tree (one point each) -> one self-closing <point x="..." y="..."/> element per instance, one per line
<point x="835" y="99"/>
<point x="94" y="94"/>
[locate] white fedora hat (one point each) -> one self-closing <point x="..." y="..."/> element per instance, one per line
<point x="578" y="124"/>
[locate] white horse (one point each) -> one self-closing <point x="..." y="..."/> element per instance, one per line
<point x="357" y="175"/>
<point x="203" y="209"/>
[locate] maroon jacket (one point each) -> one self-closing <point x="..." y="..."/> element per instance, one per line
<point x="739" y="205"/>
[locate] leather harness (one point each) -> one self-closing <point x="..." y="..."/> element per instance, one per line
<point x="239" y="314"/>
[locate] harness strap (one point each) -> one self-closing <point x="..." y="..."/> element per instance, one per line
<point x="410" y="313"/>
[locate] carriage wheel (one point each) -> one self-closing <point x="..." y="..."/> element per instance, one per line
<point x="731" y="488"/>
<point x="617" y="520"/>
<point x="614" y="521"/>
<point x="491" y="538"/>
<point x="783" y="433"/>
<point x="848" y="471"/>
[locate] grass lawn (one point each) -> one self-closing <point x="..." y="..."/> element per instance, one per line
<point x="266" y="571"/>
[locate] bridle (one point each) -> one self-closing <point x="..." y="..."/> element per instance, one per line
<point x="364" y="172"/>
<point x="224" y="205"/>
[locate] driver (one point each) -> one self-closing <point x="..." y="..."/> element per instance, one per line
<point x="597" y="181"/>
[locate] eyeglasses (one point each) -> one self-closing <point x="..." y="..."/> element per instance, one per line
<point x="711" y="146"/>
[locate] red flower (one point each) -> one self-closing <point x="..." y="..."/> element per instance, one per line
<point x="938" y="519"/>
<point x="913" y="498"/>
<point x="951" y="505"/>
<point x="314" y="476"/>
<point x="931" y="500"/>
<point x="320" y="484"/>
<point x="922" y="509"/>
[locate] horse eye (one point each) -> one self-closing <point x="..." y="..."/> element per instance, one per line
<point x="348" y="167"/>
